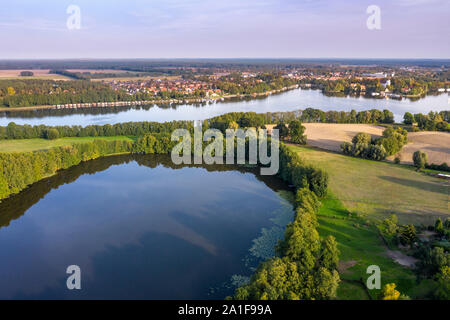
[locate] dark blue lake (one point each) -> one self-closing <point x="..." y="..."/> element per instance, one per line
<point x="140" y="228"/>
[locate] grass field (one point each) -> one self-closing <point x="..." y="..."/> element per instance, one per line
<point x="360" y="192"/>
<point x="361" y="246"/>
<point x="25" y="145"/>
<point x="376" y="189"/>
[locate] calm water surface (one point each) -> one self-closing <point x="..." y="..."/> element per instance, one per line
<point x="287" y="101"/>
<point x="139" y="227"/>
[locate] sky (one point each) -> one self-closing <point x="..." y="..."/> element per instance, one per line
<point x="32" y="29"/>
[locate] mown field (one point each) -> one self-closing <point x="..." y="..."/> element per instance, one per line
<point x="26" y="145"/>
<point x="376" y="189"/>
<point x="361" y="192"/>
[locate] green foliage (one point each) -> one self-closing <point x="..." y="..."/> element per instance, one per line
<point x="393" y="140"/>
<point x="443" y="284"/>
<point x="363" y="146"/>
<point x="296" y="172"/>
<point x="307" y="266"/>
<point x="408" y="234"/>
<point x="283" y="130"/>
<point x="389" y="293"/>
<point x="329" y="253"/>
<point x="14" y="131"/>
<point x="431" y="260"/>
<point x="439" y="226"/>
<point x="18" y="170"/>
<point x="158" y="143"/>
<point x="52" y="134"/>
<point x="408" y="118"/>
<point x="389" y="226"/>
<point x="362" y="138"/>
<point x="420" y="159"/>
<point x="433" y="121"/>
<point x="297" y="132"/>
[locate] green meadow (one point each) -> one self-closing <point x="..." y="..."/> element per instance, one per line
<point x="377" y="189"/>
<point x="361" y="193"/>
<point x="27" y="145"/>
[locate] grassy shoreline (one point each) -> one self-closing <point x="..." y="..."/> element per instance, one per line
<point x="29" y="145"/>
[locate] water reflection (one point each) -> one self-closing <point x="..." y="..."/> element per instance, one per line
<point x="286" y="101"/>
<point x="170" y="232"/>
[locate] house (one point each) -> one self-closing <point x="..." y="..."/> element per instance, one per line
<point x="385" y="82"/>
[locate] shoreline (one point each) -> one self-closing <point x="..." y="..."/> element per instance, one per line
<point x="145" y="102"/>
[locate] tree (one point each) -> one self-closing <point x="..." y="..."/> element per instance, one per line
<point x="390" y="225"/>
<point x="282" y="130"/>
<point x="11" y="91"/>
<point x="233" y="125"/>
<point x="408" y="234"/>
<point x="439" y="226"/>
<point x="389" y="293"/>
<point x="296" y="132"/>
<point x="26" y="74"/>
<point x="420" y="159"/>
<point x="443" y="288"/>
<point x="52" y="134"/>
<point x="329" y="253"/>
<point x="408" y="118"/>
<point x="362" y="138"/>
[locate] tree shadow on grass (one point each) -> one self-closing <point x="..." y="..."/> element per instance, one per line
<point x="425" y="186"/>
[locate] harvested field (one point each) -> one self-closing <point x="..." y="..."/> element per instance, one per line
<point x="38" y="74"/>
<point x="435" y="144"/>
<point x="329" y="136"/>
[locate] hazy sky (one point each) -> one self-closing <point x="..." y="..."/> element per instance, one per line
<point x="224" y="29"/>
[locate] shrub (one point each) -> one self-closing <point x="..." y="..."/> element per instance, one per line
<point x="362" y="138"/>
<point x="420" y="159"/>
<point x="297" y="132"/>
<point x="51" y="134"/>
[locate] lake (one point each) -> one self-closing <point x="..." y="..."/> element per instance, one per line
<point x="286" y="101"/>
<point x="140" y="227"/>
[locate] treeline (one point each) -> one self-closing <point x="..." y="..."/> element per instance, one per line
<point x="398" y="85"/>
<point x="433" y="121"/>
<point x="30" y="92"/>
<point x="18" y="170"/>
<point x="305" y="266"/>
<point x="14" y="131"/>
<point x="227" y="121"/>
<point x="364" y="146"/>
<point x="235" y="84"/>
<point x="87" y="75"/>
<point x="253" y="119"/>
